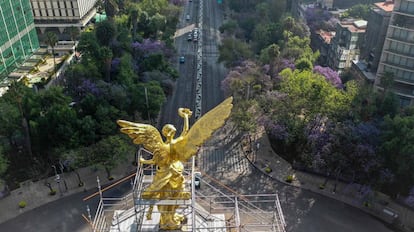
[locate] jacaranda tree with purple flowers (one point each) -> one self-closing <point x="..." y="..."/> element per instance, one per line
<point x="330" y="75"/>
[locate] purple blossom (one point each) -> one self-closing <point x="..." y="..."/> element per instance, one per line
<point x="88" y="86"/>
<point x="275" y="129"/>
<point x="266" y="68"/>
<point x="410" y="199"/>
<point x="148" y="46"/>
<point x="287" y="63"/>
<point x="386" y="176"/>
<point x="330" y="75"/>
<point x="115" y="64"/>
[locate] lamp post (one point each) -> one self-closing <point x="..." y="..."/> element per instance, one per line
<point x="57" y="179"/>
<point x="61" y="171"/>
<point x="146" y="101"/>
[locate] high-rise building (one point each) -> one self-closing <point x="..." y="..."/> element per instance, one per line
<point x="397" y="58"/>
<point x="378" y="21"/>
<point x="59" y="15"/>
<point x="18" y="38"/>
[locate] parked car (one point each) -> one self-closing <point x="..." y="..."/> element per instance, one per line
<point x="182" y="59"/>
<point x="189" y="36"/>
<point x="187" y="17"/>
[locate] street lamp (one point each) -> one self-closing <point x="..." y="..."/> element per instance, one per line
<point x="61" y="171"/>
<point x="57" y="179"/>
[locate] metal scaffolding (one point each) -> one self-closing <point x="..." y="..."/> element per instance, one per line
<point x="209" y="209"/>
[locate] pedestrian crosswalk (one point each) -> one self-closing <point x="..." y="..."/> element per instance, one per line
<point x="223" y="160"/>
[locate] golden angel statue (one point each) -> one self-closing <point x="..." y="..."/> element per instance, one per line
<point x="168" y="155"/>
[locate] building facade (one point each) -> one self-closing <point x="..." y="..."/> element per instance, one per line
<point x="18" y="38"/>
<point x="326" y="4"/>
<point x="345" y="45"/>
<point x="59" y="15"/>
<point x="375" y="35"/>
<point x="397" y="58"/>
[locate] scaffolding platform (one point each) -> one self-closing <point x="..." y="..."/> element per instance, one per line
<point x="215" y="211"/>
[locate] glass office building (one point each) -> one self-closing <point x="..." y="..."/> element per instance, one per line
<point x="18" y="38"/>
<point x="398" y="52"/>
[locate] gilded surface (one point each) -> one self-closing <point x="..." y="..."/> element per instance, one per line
<point x="168" y="155"/>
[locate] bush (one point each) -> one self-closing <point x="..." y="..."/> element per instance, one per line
<point x="22" y="204"/>
<point x="322" y="186"/>
<point x="52" y="192"/>
<point x="268" y="170"/>
<point x="367" y="204"/>
<point x="289" y="178"/>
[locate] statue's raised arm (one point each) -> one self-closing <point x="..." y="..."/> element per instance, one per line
<point x="202" y="129"/>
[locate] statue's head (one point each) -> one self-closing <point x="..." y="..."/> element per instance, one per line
<point x="168" y="131"/>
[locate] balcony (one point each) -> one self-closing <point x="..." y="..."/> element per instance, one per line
<point x="403" y="20"/>
<point x="399" y="53"/>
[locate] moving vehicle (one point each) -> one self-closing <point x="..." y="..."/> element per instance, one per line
<point x="182" y="59"/>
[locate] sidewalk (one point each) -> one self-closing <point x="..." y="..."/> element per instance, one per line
<point x="377" y="204"/>
<point x="36" y="194"/>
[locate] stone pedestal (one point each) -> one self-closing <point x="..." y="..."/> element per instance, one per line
<point x="153" y="223"/>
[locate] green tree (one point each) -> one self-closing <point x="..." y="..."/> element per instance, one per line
<point x="297" y="48"/>
<point x="148" y="102"/>
<point x="105" y="32"/>
<point x="10" y="120"/>
<point x="360" y="11"/>
<point x="265" y="34"/>
<point x="229" y="26"/>
<point x="88" y="45"/>
<point x="106" y="56"/>
<point x="153" y="7"/>
<point x="269" y="54"/>
<point x="233" y="52"/>
<point x="86" y="130"/>
<point x="19" y="96"/>
<point x="134" y="12"/>
<point x="397" y="149"/>
<point x="126" y="74"/>
<point x="302" y="97"/>
<point x="51" y="40"/>
<point x="53" y="121"/>
<point x="110" y="151"/>
<point x="157" y="23"/>
<point x="4" y="163"/>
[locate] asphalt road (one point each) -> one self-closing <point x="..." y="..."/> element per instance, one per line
<point x="305" y="211"/>
<point x="184" y="93"/>
<point x="63" y="215"/>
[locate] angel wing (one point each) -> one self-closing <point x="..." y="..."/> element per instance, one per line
<point x="203" y="129"/>
<point x="144" y="134"/>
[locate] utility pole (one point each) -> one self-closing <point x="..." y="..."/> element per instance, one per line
<point x="146" y="101"/>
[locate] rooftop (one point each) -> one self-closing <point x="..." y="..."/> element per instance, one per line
<point x="354" y="25"/>
<point x="387" y="6"/>
<point x="326" y="35"/>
